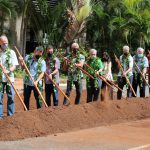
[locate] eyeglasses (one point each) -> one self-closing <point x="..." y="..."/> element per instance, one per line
<point x="93" y="54"/>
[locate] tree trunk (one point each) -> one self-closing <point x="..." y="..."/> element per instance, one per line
<point x="2" y="23"/>
<point x="23" y="28"/>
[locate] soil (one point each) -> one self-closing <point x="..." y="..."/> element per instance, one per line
<point x="53" y="120"/>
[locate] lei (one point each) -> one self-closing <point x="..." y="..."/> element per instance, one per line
<point x="27" y="78"/>
<point x="7" y="62"/>
<point x="140" y="60"/>
<point x="72" y="70"/>
<point x="142" y="67"/>
<point x="51" y="62"/>
<point x="95" y="65"/>
<point x="125" y="59"/>
<point x="7" y="66"/>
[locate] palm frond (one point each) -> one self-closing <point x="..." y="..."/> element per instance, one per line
<point x="77" y="19"/>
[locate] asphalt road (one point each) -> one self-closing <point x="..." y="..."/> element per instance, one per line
<point x="125" y="136"/>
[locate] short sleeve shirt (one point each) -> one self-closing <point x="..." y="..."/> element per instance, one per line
<point x="96" y="64"/>
<point x="73" y="75"/>
<point x="49" y="70"/>
<point x="33" y="68"/>
<point x="142" y="62"/>
<point x="13" y="61"/>
<point x="126" y="63"/>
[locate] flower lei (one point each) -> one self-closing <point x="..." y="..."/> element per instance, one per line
<point x="72" y="70"/>
<point x="125" y="59"/>
<point x="7" y="66"/>
<point x="95" y="65"/>
<point x="51" y="63"/>
<point x="27" y="78"/>
<point x="7" y="62"/>
<point x="40" y="86"/>
<point x="142" y="67"/>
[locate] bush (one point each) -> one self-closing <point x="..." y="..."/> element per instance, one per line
<point x="18" y="73"/>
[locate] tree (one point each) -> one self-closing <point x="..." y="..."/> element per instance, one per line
<point x="24" y="21"/>
<point x="115" y="23"/>
<point x="138" y="19"/>
<point x="7" y="10"/>
<point x="77" y="16"/>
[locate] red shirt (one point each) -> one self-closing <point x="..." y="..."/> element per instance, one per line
<point x="148" y="56"/>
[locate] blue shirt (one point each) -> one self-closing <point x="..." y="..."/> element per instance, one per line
<point x="142" y="62"/>
<point x="33" y="68"/>
<point x="126" y="62"/>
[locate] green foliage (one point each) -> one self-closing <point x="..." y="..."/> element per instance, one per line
<point x="8" y="9"/>
<point x="18" y="73"/>
<point x="84" y="11"/>
<point x="115" y="23"/>
<point x="56" y="24"/>
<point x="51" y="22"/>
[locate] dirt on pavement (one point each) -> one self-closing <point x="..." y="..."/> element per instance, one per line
<point x="52" y="120"/>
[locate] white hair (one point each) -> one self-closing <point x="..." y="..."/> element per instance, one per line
<point x="93" y="50"/>
<point x="126" y="48"/>
<point x="140" y="49"/>
<point x="75" y="45"/>
<point x="4" y="38"/>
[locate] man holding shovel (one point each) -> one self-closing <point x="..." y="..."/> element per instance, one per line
<point x="52" y="69"/>
<point x="9" y="61"/>
<point x="75" y="75"/>
<point x="37" y="66"/>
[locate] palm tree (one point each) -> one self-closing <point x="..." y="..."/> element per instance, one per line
<point x="139" y="19"/>
<point x="97" y="26"/>
<point x="24" y="22"/>
<point x="77" y="15"/>
<point x="114" y="23"/>
<point x="49" y="21"/>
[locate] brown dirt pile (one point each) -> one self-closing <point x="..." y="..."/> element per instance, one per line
<point x="45" y="121"/>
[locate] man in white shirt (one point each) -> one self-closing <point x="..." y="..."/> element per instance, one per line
<point x="126" y="61"/>
<point x="142" y="62"/>
<point x="9" y="61"/>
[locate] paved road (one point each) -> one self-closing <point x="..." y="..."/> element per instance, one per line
<point x="125" y="136"/>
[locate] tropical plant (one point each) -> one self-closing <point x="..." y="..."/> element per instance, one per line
<point x="115" y="23"/>
<point x="77" y="16"/>
<point x="50" y="22"/>
<point x="56" y="24"/>
<point x="138" y="19"/>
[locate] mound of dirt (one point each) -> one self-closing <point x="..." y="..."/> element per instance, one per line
<point x="53" y="120"/>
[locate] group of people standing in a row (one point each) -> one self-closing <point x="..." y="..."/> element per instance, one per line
<point x="98" y="72"/>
